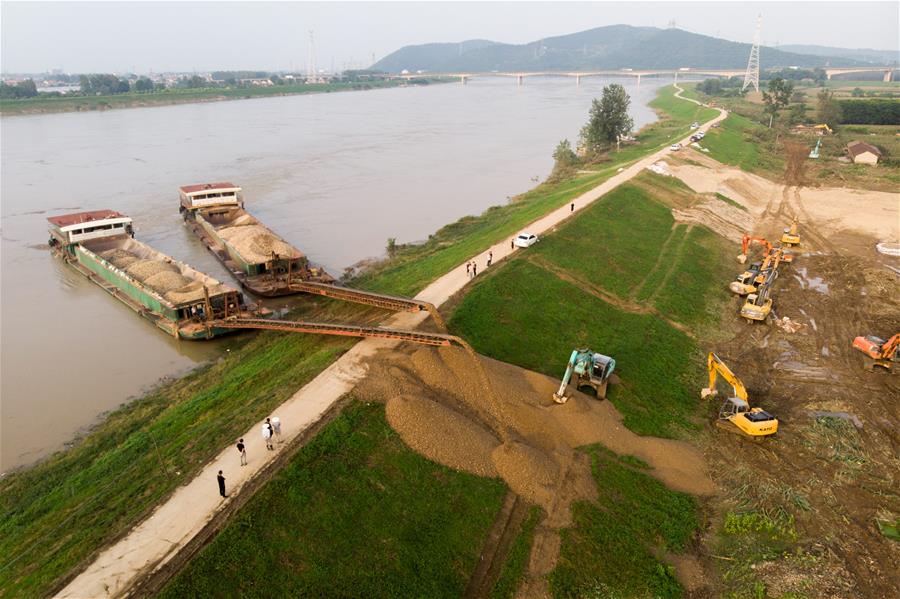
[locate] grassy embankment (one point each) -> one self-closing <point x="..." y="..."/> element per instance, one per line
<point x="52" y="515"/>
<point x="44" y="104"/>
<point x="745" y="140"/>
<point x="621" y="278"/>
<point x="356" y="513"/>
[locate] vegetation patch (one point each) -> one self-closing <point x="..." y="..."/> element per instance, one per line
<point x="525" y="315"/>
<point x="610" y="550"/>
<point x="728" y="200"/>
<point x="355" y="513"/>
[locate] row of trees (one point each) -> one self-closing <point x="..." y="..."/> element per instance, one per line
<point x="608" y="122"/>
<point x="870" y="112"/>
<point x="23" y="89"/>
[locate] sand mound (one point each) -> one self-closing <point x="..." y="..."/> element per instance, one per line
<point x="442" y="434"/>
<point x="144" y="269"/>
<point x="119" y="258"/>
<point x="191" y="292"/>
<point x="166" y="281"/>
<point x="255" y="243"/>
<point x="540" y="461"/>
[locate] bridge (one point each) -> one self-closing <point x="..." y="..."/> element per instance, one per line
<point x="520" y="76"/>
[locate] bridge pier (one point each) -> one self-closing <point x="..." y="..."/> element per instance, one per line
<point x="520" y="79"/>
<point x="463" y="79"/>
<point x="639" y="79"/>
<point x="578" y="80"/>
<point x="888" y="76"/>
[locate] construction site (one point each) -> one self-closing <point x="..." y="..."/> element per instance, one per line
<point x="687" y="388"/>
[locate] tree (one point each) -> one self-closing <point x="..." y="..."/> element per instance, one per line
<point x="797" y="113"/>
<point x="778" y="96"/>
<point x="608" y="120"/>
<point x="857" y="93"/>
<point x="563" y="155"/>
<point x="143" y="85"/>
<point x="828" y="108"/>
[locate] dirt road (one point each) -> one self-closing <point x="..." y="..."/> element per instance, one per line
<point x="173" y="524"/>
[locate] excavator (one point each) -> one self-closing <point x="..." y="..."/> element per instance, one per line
<point x="758" y="274"/>
<point x="747" y="241"/>
<point x="791" y="236"/>
<point x="758" y="304"/>
<point x="878" y="351"/>
<point x="736" y="415"/>
<point x="589" y="369"/>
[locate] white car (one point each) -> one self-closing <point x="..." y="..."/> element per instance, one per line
<point x="675" y="147"/>
<point x="701" y="134"/>
<point x="695" y="125"/>
<point x="524" y="240"/>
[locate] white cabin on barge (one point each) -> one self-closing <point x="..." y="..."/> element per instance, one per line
<point x="71" y="229"/>
<point x="207" y="195"/>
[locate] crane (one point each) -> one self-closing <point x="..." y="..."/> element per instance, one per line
<point x="882" y="353"/>
<point x="588" y="369"/>
<point x="736" y="410"/>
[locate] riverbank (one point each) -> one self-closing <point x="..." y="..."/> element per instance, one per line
<point x="145" y="450"/>
<point x="46" y="105"/>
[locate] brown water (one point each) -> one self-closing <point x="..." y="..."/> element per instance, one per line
<point x="335" y="174"/>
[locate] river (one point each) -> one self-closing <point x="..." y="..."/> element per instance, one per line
<point x="336" y="174"/>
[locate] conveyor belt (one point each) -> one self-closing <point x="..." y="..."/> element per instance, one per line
<point x="380" y="300"/>
<point x="318" y="328"/>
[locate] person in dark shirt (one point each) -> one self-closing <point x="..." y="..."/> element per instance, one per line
<point x="221" y="480"/>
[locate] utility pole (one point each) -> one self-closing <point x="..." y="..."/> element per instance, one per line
<point x="311" y="75"/>
<point x="752" y="75"/>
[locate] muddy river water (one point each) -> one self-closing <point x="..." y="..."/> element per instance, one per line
<point x="335" y="174"/>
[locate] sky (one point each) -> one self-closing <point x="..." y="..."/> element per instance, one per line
<point x="141" y="37"/>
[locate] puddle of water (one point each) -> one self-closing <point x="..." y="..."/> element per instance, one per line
<point x="815" y="283"/>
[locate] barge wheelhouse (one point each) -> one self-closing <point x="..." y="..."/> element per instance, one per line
<point x="260" y="260"/>
<point x="176" y="298"/>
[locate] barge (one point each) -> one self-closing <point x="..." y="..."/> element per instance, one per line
<point x="181" y="301"/>
<point x="260" y="260"/>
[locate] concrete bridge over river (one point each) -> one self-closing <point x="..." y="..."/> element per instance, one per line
<point x="520" y="76"/>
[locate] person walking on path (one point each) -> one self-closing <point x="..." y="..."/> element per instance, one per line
<point x="572" y="207"/>
<point x="512" y="244"/>
<point x="267" y="434"/>
<point x="469" y="269"/>
<point x="243" y="451"/>
<point x="490" y="258"/>
<point x="221" y="480"/>
<point x="474" y="269"/>
<point x="276" y="428"/>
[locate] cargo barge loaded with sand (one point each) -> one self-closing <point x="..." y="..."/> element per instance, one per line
<point x="181" y="301"/>
<point x="259" y="259"/>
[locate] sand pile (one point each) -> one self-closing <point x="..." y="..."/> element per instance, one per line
<point x="119" y="258"/>
<point x="166" y="281"/>
<point x="255" y="243"/>
<point x="438" y="402"/>
<point x="144" y="269"/>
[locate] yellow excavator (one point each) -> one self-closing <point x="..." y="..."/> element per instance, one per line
<point x="758" y="274"/>
<point x="758" y="304"/>
<point x="736" y="412"/>
<point x="791" y="236"/>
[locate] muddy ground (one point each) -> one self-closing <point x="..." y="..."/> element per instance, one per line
<point x="838" y="474"/>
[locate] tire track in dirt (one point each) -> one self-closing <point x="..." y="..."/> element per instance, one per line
<point x="632" y="296"/>
<point x="672" y="264"/>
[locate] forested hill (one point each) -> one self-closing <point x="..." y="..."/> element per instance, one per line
<point x="613" y="47"/>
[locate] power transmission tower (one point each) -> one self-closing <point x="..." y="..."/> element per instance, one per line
<point x="752" y="75"/>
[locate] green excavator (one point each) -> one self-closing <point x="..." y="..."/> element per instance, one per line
<point x="586" y="369"/>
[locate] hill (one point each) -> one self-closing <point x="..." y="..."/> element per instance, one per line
<point x="879" y="57"/>
<point x="612" y="47"/>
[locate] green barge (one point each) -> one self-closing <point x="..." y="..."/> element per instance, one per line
<point x="260" y="260"/>
<point x="181" y="301"/>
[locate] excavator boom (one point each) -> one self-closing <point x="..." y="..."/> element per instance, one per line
<point x="881" y="353"/>
<point x="736" y="410"/>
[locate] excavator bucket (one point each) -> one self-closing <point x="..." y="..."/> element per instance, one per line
<point x="742" y="258"/>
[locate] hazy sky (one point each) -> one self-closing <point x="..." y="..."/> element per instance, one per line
<point x="185" y="36"/>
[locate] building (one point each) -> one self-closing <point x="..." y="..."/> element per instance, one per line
<point x="862" y="153"/>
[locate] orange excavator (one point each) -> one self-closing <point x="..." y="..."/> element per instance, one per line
<point x="747" y="241"/>
<point x="880" y="352"/>
<point x="758" y="274"/>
